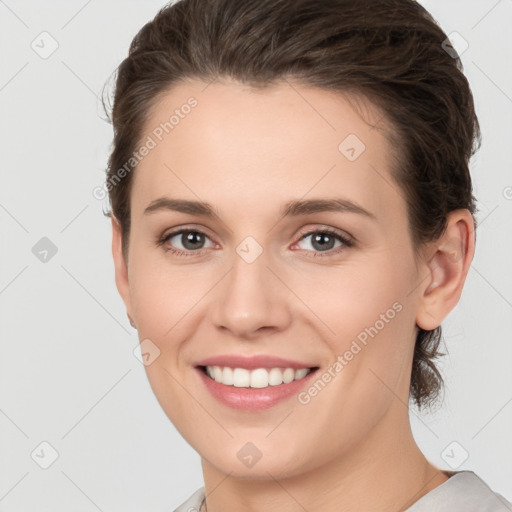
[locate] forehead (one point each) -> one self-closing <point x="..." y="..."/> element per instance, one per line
<point x="246" y="145"/>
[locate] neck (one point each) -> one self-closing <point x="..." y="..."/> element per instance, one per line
<point x="385" y="472"/>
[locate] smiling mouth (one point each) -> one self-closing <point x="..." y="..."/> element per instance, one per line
<point x="255" y="378"/>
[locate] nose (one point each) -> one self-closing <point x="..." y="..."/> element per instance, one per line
<point x="251" y="300"/>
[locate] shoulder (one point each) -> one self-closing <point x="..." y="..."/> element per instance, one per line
<point x="193" y="504"/>
<point x="465" y="490"/>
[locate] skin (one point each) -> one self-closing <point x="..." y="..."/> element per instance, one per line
<point x="247" y="153"/>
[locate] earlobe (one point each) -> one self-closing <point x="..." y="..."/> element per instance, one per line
<point x="446" y="270"/>
<point x="121" y="267"/>
<point x="132" y="323"/>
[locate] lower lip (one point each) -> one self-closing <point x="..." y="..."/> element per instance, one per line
<point x="254" y="399"/>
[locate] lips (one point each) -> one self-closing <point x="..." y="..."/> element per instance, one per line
<point x="253" y="362"/>
<point x="265" y="394"/>
<point x="253" y="398"/>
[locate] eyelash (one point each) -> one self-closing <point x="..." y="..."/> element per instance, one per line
<point x="347" y="242"/>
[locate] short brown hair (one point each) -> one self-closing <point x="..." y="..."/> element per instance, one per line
<point x="391" y="51"/>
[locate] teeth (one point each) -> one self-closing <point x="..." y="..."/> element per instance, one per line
<point x="288" y="375"/>
<point x="258" y="378"/>
<point x="241" y="378"/>
<point x="227" y="376"/>
<point x="275" y="377"/>
<point x="300" y="374"/>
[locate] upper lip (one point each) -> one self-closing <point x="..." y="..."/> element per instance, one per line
<point x="252" y="362"/>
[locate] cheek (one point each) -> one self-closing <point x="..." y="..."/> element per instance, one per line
<point x="354" y="302"/>
<point x="367" y="321"/>
<point x="166" y="302"/>
<point x="164" y="295"/>
<point x="370" y="346"/>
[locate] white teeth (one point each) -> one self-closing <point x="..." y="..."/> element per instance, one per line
<point x="288" y="375"/>
<point x="258" y="378"/>
<point x="275" y="377"/>
<point x="241" y="378"/>
<point x="299" y="374"/>
<point x="227" y="376"/>
<point x="217" y="373"/>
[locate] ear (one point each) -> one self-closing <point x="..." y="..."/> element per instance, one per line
<point x="121" y="267"/>
<point x="446" y="268"/>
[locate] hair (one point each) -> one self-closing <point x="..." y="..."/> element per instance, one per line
<point x="391" y="52"/>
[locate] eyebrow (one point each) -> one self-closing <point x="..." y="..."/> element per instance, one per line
<point x="290" y="209"/>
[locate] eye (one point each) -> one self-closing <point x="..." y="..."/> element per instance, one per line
<point x="192" y="242"/>
<point x="324" y="240"/>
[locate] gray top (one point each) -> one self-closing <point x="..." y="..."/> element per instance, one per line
<point x="464" y="491"/>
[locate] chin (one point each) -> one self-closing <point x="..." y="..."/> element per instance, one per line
<point x="239" y="463"/>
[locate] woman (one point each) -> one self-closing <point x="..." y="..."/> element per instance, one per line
<point x="293" y="218"/>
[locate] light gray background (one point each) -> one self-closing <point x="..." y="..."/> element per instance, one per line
<point x="68" y="375"/>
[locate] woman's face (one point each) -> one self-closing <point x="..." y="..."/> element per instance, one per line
<point x="261" y="277"/>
